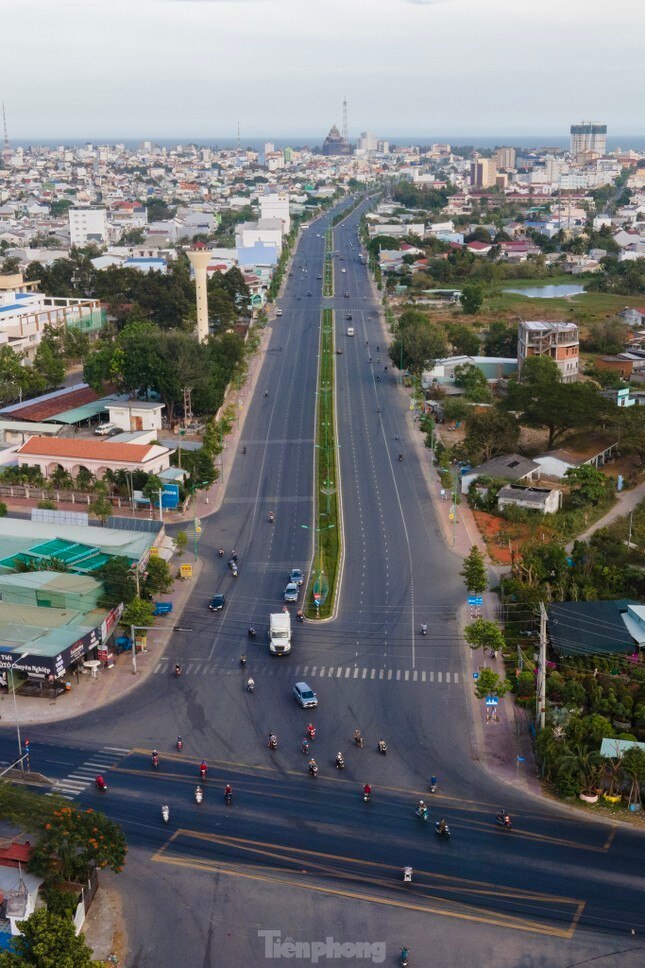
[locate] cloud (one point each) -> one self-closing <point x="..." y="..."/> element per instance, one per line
<point x="427" y="3"/>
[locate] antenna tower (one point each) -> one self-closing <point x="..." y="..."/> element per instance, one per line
<point x="345" y="125"/>
<point x="6" y="147"/>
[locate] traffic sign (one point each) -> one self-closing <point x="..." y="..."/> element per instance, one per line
<point x="520" y="759"/>
<point x="475" y="675"/>
<point x="472" y="599"/>
<point x="491" y="700"/>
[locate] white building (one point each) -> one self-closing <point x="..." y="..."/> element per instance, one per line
<point x="276" y="206"/>
<point x="88" y="225"/>
<point x="266" y="230"/>
<point x="24" y="315"/>
<point x="588" y="136"/>
<point x="136" y="415"/>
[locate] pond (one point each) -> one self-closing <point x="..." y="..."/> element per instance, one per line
<point x="549" y="292"/>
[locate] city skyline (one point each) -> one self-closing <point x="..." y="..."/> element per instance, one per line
<point x="193" y="69"/>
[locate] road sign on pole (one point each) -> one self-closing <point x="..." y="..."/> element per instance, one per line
<point x="491" y="700"/>
<point x="475" y="675"/>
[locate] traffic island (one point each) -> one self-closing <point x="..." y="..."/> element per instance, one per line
<point x="321" y="593"/>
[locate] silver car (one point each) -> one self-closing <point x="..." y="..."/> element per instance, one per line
<point x="305" y="695"/>
<point x="291" y="592"/>
<point x="296" y="576"/>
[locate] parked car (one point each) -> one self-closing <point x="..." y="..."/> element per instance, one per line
<point x="291" y="592"/>
<point x="107" y="430"/>
<point x="296" y="576"/>
<point x="278" y="312"/>
<point x="217" y="603"/>
<point x="305" y="695"/>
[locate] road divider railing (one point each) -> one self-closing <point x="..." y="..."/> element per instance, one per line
<point x="328" y="269"/>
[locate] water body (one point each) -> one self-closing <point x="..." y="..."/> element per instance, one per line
<point x="548" y="292"/>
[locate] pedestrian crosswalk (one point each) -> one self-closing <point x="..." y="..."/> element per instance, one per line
<point x="84" y="775"/>
<point x="383" y="674"/>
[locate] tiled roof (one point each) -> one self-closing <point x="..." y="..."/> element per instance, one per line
<point x="43" y="409"/>
<point x="85" y="449"/>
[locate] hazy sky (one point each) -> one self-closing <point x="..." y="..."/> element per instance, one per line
<point x="193" y="68"/>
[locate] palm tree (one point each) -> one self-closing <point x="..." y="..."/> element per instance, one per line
<point x="586" y="765"/>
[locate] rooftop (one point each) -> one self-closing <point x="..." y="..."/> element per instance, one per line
<point x="85" y="449"/>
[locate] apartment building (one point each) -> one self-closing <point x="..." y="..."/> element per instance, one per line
<point x="276" y="206"/>
<point x="88" y="225"/>
<point x="588" y="136"/>
<point x="483" y="172"/>
<point x="560" y="341"/>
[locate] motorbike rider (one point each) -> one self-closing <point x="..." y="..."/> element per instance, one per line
<point x="100" y="782"/>
<point x="304" y="746"/>
<point x="221" y="552"/>
<point x="273" y="740"/>
<point x="203" y="769"/>
<point x="505" y="817"/>
<point x="155" y="758"/>
<point x="358" y="739"/>
<point x="422" y="810"/>
<point x="198" y="792"/>
<point x="340" y="761"/>
<point x="271" y="517"/>
<point x="442" y="826"/>
<point x="243" y="659"/>
<point x="250" y="685"/>
<point x="424" y="629"/>
<point x="311" y="731"/>
<point x="367" y="791"/>
<point x="228" y="792"/>
<point x="251" y="632"/>
<point x="180" y="743"/>
<point x="313" y="767"/>
<point x="177" y="671"/>
<point x="433" y="783"/>
<point x="382" y="746"/>
<point x="400" y="456"/>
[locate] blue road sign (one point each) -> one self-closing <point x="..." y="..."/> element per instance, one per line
<point x="491" y="700"/>
<point x="479" y="600"/>
<point x="520" y="759"/>
<point x="472" y="600"/>
<point x="475" y="675"/>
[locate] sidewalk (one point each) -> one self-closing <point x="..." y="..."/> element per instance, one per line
<point x="87" y="692"/>
<point x="104" y="927"/>
<point x="626" y="501"/>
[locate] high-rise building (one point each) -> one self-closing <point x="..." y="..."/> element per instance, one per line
<point x="276" y="206"/>
<point x="588" y="136"/>
<point x="483" y="172"/>
<point x="505" y="157"/>
<point x="368" y="141"/>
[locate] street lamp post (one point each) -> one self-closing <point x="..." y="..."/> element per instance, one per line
<point x="192" y="489"/>
<point x="15" y="703"/>
<point x="149" y="628"/>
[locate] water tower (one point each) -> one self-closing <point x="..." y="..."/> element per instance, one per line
<point x="199" y="257"/>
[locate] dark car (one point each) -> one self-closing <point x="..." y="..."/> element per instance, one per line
<point x="346" y="295"/>
<point x="348" y="316"/>
<point x="216" y="603"/>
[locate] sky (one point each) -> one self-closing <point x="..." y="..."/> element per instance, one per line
<point x="191" y="69"/>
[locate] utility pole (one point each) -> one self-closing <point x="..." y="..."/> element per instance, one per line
<point x="540" y="708"/>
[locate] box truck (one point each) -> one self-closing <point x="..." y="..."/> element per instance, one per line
<point x="279" y="633"/>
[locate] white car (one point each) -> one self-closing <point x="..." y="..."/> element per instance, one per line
<point x="107" y="430"/>
<point x="305" y="695"/>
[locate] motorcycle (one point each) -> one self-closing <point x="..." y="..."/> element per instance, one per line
<point x="313" y="769"/>
<point x="228" y="797"/>
<point x="407" y="875"/>
<point x="101" y="785"/>
<point x="155" y="761"/>
<point x="221" y="552"/>
<point x="358" y="740"/>
<point x="234" y="570"/>
<point x="382" y="747"/>
<point x="202" y="772"/>
<point x="242" y="660"/>
<point x="403" y="958"/>
<point x="424" y="628"/>
<point x="199" y="795"/>
<point x="340" y="762"/>
<point x="422" y="813"/>
<point x="165" y="813"/>
<point x="304" y="746"/>
<point x="180" y="743"/>
<point x="311" y="732"/>
<point x="177" y="671"/>
<point x="400" y="456"/>
<point x="504" y="820"/>
<point x="251" y="633"/>
<point x="250" y="686"/>
<point x="442" y="831"/>
<point x="273" y="742"/>
<point x="433" y="785"/>
<point x="367" y="796"/>
<point x="271" y="517"/>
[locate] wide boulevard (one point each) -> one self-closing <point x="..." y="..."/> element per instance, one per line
<point x="308" y="859"/>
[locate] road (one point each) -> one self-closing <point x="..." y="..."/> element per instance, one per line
<point x="306" y="857"/>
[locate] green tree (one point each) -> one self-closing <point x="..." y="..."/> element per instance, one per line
<point x="418" y="345"/>
<point x="158" y="578"/>
<point x="47" y="941"/>
<point x="501" y="340"/>
<point x="633" y="766"/>
<point x="463" y="339"/>
<point x="151" y="489"/>
<point x="101" y="507"/>
<point x="455" y="408"/>
<point x="484" y="634"/>
<point x="181" y="542"/>
<point x="588" y="484"/>
<point x="490" y="432"/>
<point x="490" y="683"/>
<point x="474" y="571"/>
<point x="118" y="581"/>
<point x="472" y="380"/>
<point x="138" y="612"/>
<point x="472" y="298"/>
<point x="73" y="843"/>
<point x="585" y="765"/>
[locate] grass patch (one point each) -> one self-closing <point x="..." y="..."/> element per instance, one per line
<point x="327" y="524"/>
<point x="328" y="270"/>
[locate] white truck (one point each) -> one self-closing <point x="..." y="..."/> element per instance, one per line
<point x="280" y="633"/>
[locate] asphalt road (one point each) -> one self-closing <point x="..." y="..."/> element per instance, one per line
<point x="306" y="857"/>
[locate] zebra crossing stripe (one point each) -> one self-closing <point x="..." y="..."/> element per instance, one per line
<point x="356" y="672"/>
<point x="440" y="676"/>
<point x="365" y="673"/>
<point x="407" y="674"/>
<point x="423" y="677"/>
<point x="414" y="676"/>
<point x="373" y="673"/>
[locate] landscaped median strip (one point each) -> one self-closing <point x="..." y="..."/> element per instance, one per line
<point x="321" y="593"/>
<point x="328" y="277"/>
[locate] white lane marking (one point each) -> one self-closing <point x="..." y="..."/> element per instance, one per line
<point x="372" y="673"/>
<point x="423" y="677"/>
<point x="440" y="677"/>
<point x="398" y="674"/>
<point x="116" y="749"/>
